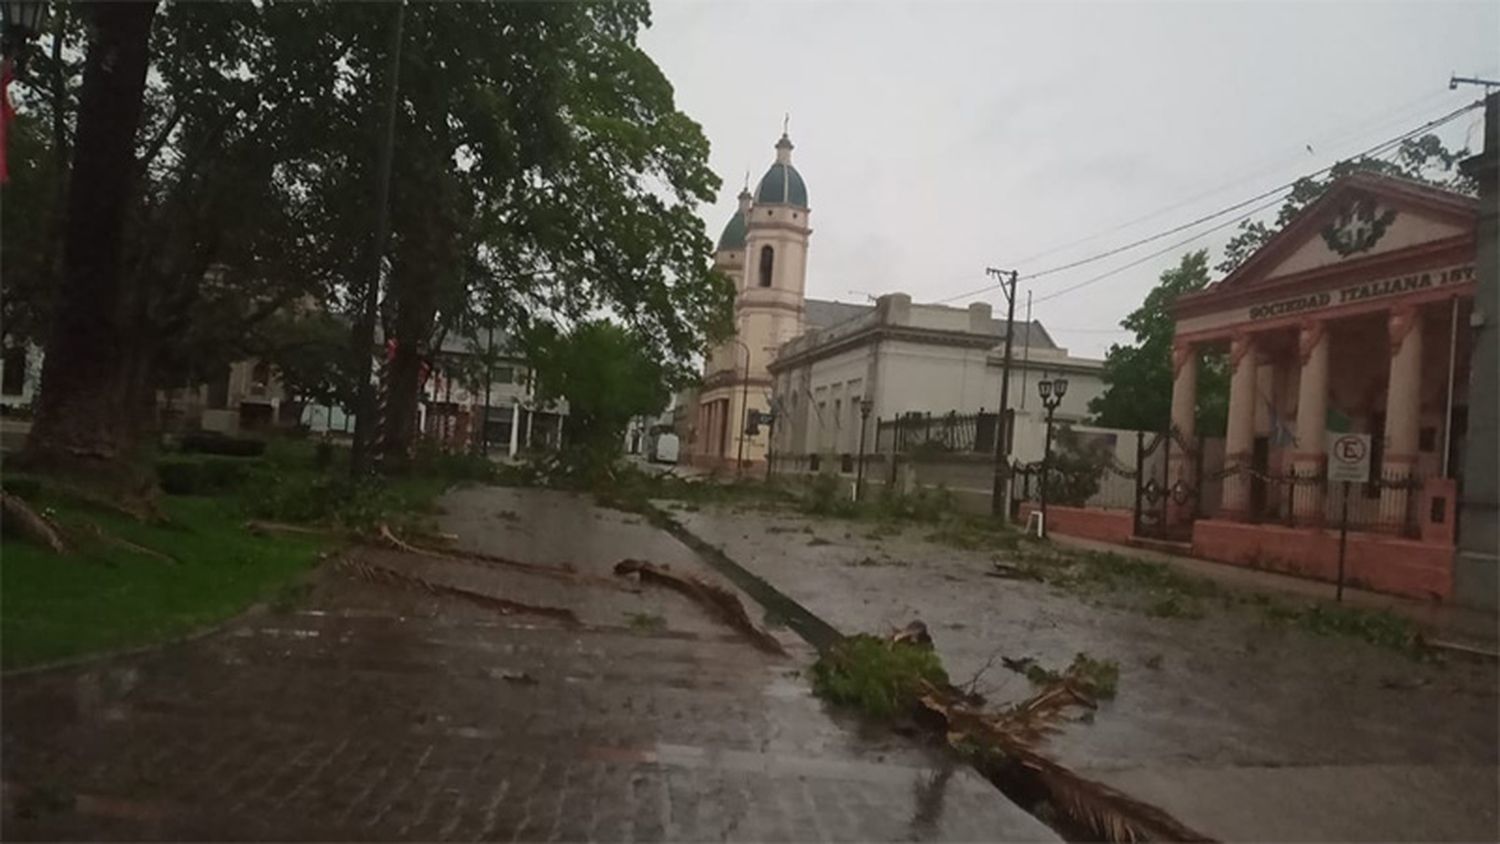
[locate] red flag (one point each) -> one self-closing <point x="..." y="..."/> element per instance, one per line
<point x="7" y="114"/>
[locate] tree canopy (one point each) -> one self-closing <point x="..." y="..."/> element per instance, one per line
<point x="1138" y="375"/>
<point x="543" y="175"/>
<point x="607" y="374"/>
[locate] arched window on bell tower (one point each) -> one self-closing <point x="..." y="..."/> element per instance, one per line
<point x="767" y="262"/>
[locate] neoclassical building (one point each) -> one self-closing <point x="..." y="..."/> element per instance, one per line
<point x="1355" y="318"/>
<point x="764" y="250"/>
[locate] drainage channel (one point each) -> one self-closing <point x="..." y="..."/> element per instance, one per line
<point x="813" y="630"/>
<point x="1021" y="784"/>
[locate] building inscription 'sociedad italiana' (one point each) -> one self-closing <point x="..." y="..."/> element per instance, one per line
<point x="1367" y="290"/>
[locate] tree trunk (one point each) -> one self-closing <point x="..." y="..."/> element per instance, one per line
<point x="402" y="394"/>
<point x="87" y="410"/>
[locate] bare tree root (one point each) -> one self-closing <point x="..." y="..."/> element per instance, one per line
<point x="391" y="577"/>
<point x="716" y="599"/>
<point x="100" y="533"/>
<point x="261" y="528"/>
<point x="18" y="516"/>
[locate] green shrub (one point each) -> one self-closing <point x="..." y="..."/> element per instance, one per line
<point x="209" y="442"/>
<point x="179" y="476"/>
<point x="825" y="496"/>
<point x="877" y="676"/>
<point x="25" y="487"/>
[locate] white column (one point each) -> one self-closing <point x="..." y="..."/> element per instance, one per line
<point x="1402" y="412"/>
<point x="515" y="427"/>
<point x="1310" y="456"/>
<point x="1239" y="439"/>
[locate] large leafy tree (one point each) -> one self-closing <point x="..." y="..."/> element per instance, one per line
<point x="1138" y="375"/>
<point x="187" y="221"/>
<point x="545" y="173"/>
<point x="542" y="172"/>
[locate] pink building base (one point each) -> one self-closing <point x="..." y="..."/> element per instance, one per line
<point x="1374" y="561"/>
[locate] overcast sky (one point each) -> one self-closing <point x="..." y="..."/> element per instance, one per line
<point x="938" y="138"/>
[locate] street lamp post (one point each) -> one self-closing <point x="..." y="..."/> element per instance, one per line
<point x="1052" y="395"/>
<point x="866" y="404"/>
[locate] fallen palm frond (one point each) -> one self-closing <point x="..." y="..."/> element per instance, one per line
<point x="391" y="577"/>
<point x="716" y="599"/>
<point x="1003" y="746"/>
<point x="563" y="572"/>
<point x="18" y="516"/>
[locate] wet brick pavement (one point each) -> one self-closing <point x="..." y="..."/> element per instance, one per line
<point x="1243" y="728"/>
<point x="378" y="712"/>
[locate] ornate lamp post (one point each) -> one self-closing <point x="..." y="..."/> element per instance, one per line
<point x="866" y="404"/>
<point x="1052" y="393"/>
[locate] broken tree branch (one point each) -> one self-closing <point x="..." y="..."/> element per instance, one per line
<point x="716" y="599"/>
<point x="391" y="577"/>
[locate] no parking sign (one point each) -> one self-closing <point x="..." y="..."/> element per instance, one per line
<point x="1349" y="457"/>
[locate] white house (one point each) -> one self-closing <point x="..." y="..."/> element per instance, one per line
<point x="907" y="358"/>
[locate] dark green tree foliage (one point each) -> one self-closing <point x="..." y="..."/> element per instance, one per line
<point x="542" y="171"/>
<point x="607" y="374"/>
<point x="1138" y="375"/>
<point x="1423" y="159"/>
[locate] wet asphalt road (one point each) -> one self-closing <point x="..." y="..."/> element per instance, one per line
<point x="1242" y="728"/>
<point x="381" y="711"/>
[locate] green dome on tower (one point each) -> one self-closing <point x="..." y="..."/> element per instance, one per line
<point x="733" y="237"/>
<point x="782" y="185"/>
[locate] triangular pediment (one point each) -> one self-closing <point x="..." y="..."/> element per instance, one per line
<point x="1360" y="216"/>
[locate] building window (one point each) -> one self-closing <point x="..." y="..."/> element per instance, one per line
<point x="15" y="371"/>
<point x="505" y="375"/>
<point x="767" y="262"/>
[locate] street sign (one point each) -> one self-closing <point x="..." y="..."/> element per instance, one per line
<point x="1349" y="457"/>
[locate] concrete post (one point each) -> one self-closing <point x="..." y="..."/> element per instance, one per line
<point x="1476" y="570"/>
<point x="1403" y="402"/>
<point x="1239" y="439"/>
<point x="1312" y="415"/>
<point x="1184" y="426"/>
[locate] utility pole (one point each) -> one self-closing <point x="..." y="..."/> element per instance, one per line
<point x="1000" y="495"/>
<point x="364" y="333"/>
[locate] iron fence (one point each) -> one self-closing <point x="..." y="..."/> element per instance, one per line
<point x="952" y="432"/>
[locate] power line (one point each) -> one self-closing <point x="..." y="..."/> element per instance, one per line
<point x="1381" y="123"/>
<point x="1160" y="252"/>
<point x="1246" y="216"/>
<point x="1372" y="151"/>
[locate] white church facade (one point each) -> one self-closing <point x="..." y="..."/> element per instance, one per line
<point x="813" y="362"/>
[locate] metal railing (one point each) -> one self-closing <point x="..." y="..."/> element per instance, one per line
<point x="952" y="432"/>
